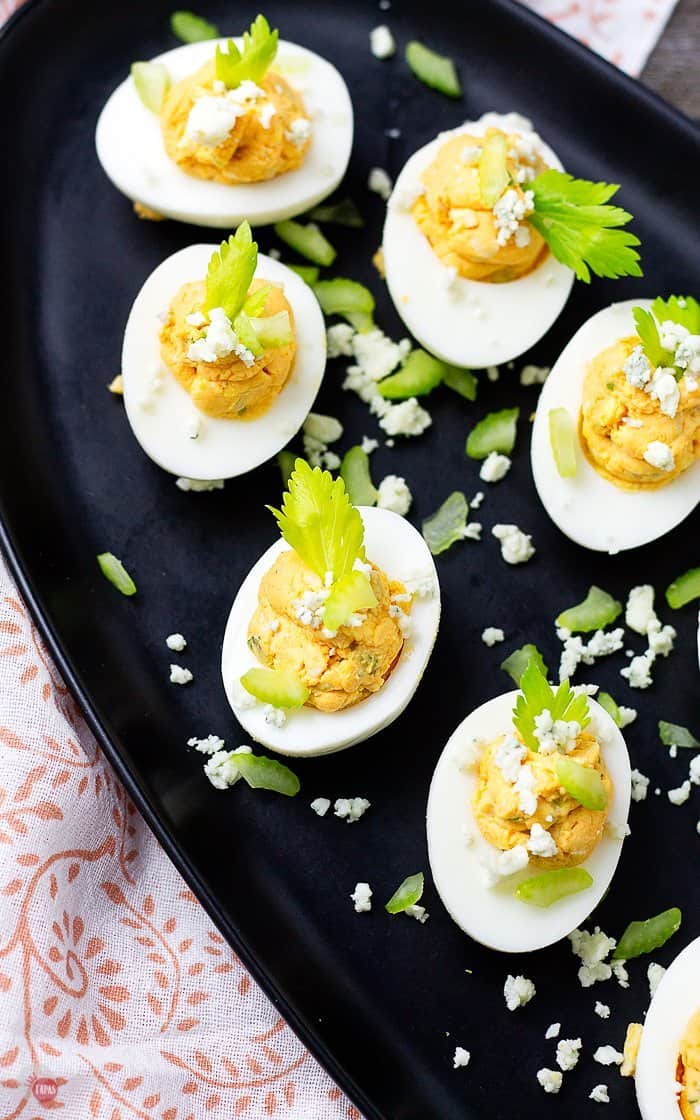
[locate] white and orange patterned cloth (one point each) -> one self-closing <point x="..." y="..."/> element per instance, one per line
<point x="117" y="997"/>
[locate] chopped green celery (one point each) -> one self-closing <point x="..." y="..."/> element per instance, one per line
<point x="644" y="937"/>
<point x="355" y="473"/>
<point x="550" y="887"/>
<point x="191" y="28"/>
<point x="418" y="376"/>
<point x="266" y="773"/>
<point x="447" y="525"/>
<point x="606" y="701"/>
<point x="496" y="432"/>
<point x="352" y="592"/>
<point x="286" y="461"/>
<point x="307" y="240"/>
<point x="517" y="662"/>
<point x="562" y="437"/>
<point x="408" y="894"/>
<point x="273" y="330"/>
<point x="673" y="735"/>
<point x="116" y="573"/>
<point x="434" y="70"/>
<point x="278" y="687"/>
<point x="345" y="297"/>
<point x="684" y="589"/>
<point x="583" y="783"/>
<point x="461" y="381"/>
<point x="597" y="611"/>
<point x="493" y="172"/>
<point x="341" y="213"/>
<point x="251" y="61"/>
<point x="152" y="82"/>
<point x="308" y="272"/>
<point x="255" y="302"/>
<point x="362" y="321"/>
<point x="247" y="335"/>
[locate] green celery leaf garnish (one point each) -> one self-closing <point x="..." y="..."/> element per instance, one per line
<point x="645" y="937"/>
<point x="496" y="432"/>
<point x="267" y="773"/>
<point x="537" y="695"/>
<point x="278" y="687"/>
<point x="673" y="735"/>
<point x="551" y="886"/>
<point x="342" y="213"/>
<point x="678" y="309"/>
<point x="230" y="272"/>
<point x="582" y="783"/>
<point x="319" y="522"/>
<point x="683" y="589"/>
<point x="581" y="229"/>
<point x="191" y="28"/>
<point x="562" y="437"/>
<point x="418" y="376"/>
<point x="355" y="473"/>
<point x="152" y="82"/>
<point x="353" y="301"/>
<point x="234" y="66"/>
<point x="648" y="332"/>
<point x="352" y="592"/>
<point x="517" y="662"/>
<point x="447" y="525"/>
<point x="113" y="570"/>
<point x="597" y="611"/>
<point x="434" y="70"/>
<point x="461" y="381"/>
<point x="307" y="240"/>
<point x="493" y="172"/>
<point x="407" y="894"/>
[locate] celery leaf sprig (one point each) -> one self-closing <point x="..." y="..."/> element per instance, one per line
<point x="536" y="696"/>
<point x="236" y="65"/>
<point x="683" y="310"/>
<point x="230" y="272"/>
<point x="581" y="228"/>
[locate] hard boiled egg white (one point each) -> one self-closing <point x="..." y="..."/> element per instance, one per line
<point x="170" y="429"/>
<point x="588" y="508"/>
<point x="465" y="322"/>
<point x="130" y="147"/>
<point x="459" y="853"/>
<point x="398" y="549"/>
<point x="676" y="1000"/>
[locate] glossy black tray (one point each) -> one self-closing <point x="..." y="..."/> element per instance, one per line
<point x="381" y="1002"/>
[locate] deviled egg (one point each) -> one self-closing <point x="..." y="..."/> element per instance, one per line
<point x="224" y="352"/>
<point x="480" y="245"/>
<point x="331" y="631"/>
<point x="668" y="1063"/>
<point x="616" y="438"/>
<point x="526" y="815"/>
<point x="218" y="131"/>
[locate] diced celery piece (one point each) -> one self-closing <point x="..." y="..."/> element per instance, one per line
<point x="152" y="82"/>
<point x="493" y="172"/>
<point x="247" y="335"/>
<point x="673" y="735"/>
<point x="583" y="783"/>
<point x="461" y="381"/>
<point x="597" y="611"/>
<point x="562" y="438"/>
<point x="307" y="240"/>
<point x="644" y="937"/>
<point x="191" y="28"/>
<point x="362" y="321"/>
<point x="550" y="887"/>
<point x="273" y="330"/>
<point x="286" y="461"/>
<point x="496" y="432"/>
<point x="408" y="894"/>
<point x="419" y="375"/>
<point x="308" y="272"/>
<point x="684" y="589"/>
<point x="266" y="773"/>
<point x="345" y="297"/>
<point x="447" y="524"/>
<point x="610" y="706"/>
<point x="116" y="573"/>
<point x="341" y="213"/>
<point x="355" y="473"/>
<point x="517" y="662"/>
<point x="434" y="70"/>
<point x="278" y="687"/>
<point x="352" y="592"/>
<point x="255" y="302"/>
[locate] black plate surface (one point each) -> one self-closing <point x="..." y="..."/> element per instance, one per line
<point x="382" y="1002"/>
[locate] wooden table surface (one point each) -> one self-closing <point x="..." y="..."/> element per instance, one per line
<point x="673" y="69"/>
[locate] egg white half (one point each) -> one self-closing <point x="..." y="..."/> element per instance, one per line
<point x="465" y="322"/>
<point x="676" y="1000"/>
<point x="458" y="851"/>
<point x="161" y="412"/>
<point x="589" y="509"/>
<point x="399" y="550"/>
<point x="131" y="151"/>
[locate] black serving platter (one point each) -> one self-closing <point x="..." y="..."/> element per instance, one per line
<point x="382" y="1002"/>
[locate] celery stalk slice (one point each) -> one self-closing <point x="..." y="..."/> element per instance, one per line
<point x="308" y="272"/>
<point x="267" y="773"/>
<point x="517" y="662"/>
<point x="285" y="462"/>
<point x="341" y="213"/>
<point x="493" y="172"/>
<point x="345" y="297"/>
<point x="405" y="895"/>
<point x="583" y="783"/>
<point x="307" y="240"/>
<point x="683" y="589"/>
<point x="113" y="570"/>
<point x="418" y="376"/>
<point x="496" y="432"/>
<point x="447" y="524"/>
<point x="673" y="735"/>
<point x="434" y="70"/>
<point x="278" y="687"/>
<point x="152" y="82"/>
<point x="644" y="937"/>
<point x="273" y="330"/>
<point x="191" y="28"/>
<point x="352" y="592"/>
<point x="550" y="887"/>
<point x="461" y="381"/>
<point x="355" y="473"/>
<point x="247" y="335"/>
<point x="597" y="611"/>
<point x="610" y="706"/>
<point x="562" y="439"/>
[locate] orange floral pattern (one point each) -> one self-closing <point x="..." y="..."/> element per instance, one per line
<point x="623" y="31"/>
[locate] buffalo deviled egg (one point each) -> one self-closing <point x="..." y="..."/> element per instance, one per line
<point x="332" y="629"/>
<point x="526" y="815"/>
<point x="616" y="438"/>
<point x="218" y="131"/>
<point x="224" y="352"/>
<point x="480" y="243"/>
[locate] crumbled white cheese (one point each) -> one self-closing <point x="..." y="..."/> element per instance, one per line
<point x="509" y="211"/>
<point x="477" y="500"/>
<point x="175" y="642"/>
<point x="310" y="607"/>
<point x="603" y="643"/>
<point x="221" y="768"/>
<point x="379" y="182"/>
<point x="493" y="373"/>
<point x="655" y="974"/>
<point x="199" y="485"/>
<point x="461" y="1057"/>
<point x="196" y="319"/>
<point x="661" y="639"/>
<point x="350" y="809"/>
<point x="533" y="375"/>
<point x="541" y="842"/>
<point x="518" y="991"/>
<point x="640" y="786"/>
<point x="694" y="773"/>
<point x="516" y="546"/>
<point x="525" y="787"/>
<point x="508" y="758"/>
<point x="321" y="805"/>
<point x="494" y="467"/>
<point x="376" y="354"/>
<point x="362" y="897"/>
<point x="659" y="455"/>
<point x="626" y="715"/>
<point x="211" y="744"/>
<point x="179" y="675"/>
<point x="602" y="1010"/>
<point x="394" y="495"/>
<point x="555" y="735"/>
<point x="620" y="973"/>
<point x="493" y="634"/>
<point x="599" y="1094"/>
<point x="638" y="672"/>
<point x="418" y="912"/>
<point x="550" y="1079"/>
<point x="680" y="795"/>
<point x="218" y="341"/>
<point x="472" y="531"/>
<point x="504" y="864"/>
<point x="639" y="611"/>
<point x="552" y="1030"/>
<point x="265" y="114"/>
<point x="211" y="119"/>
<point x="592" y="950"/>
<point x="568" y="1052"/>
<point x="369" y="445"/>
<point x="382" y="42"/>
<point x="608" y="1056"/>
<point x="339" y="340"/>
<point x="299" y="131"/>
<point x="405" y="419"/>
<point x="664" y="388"/>
<point x="637" y="369"/>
